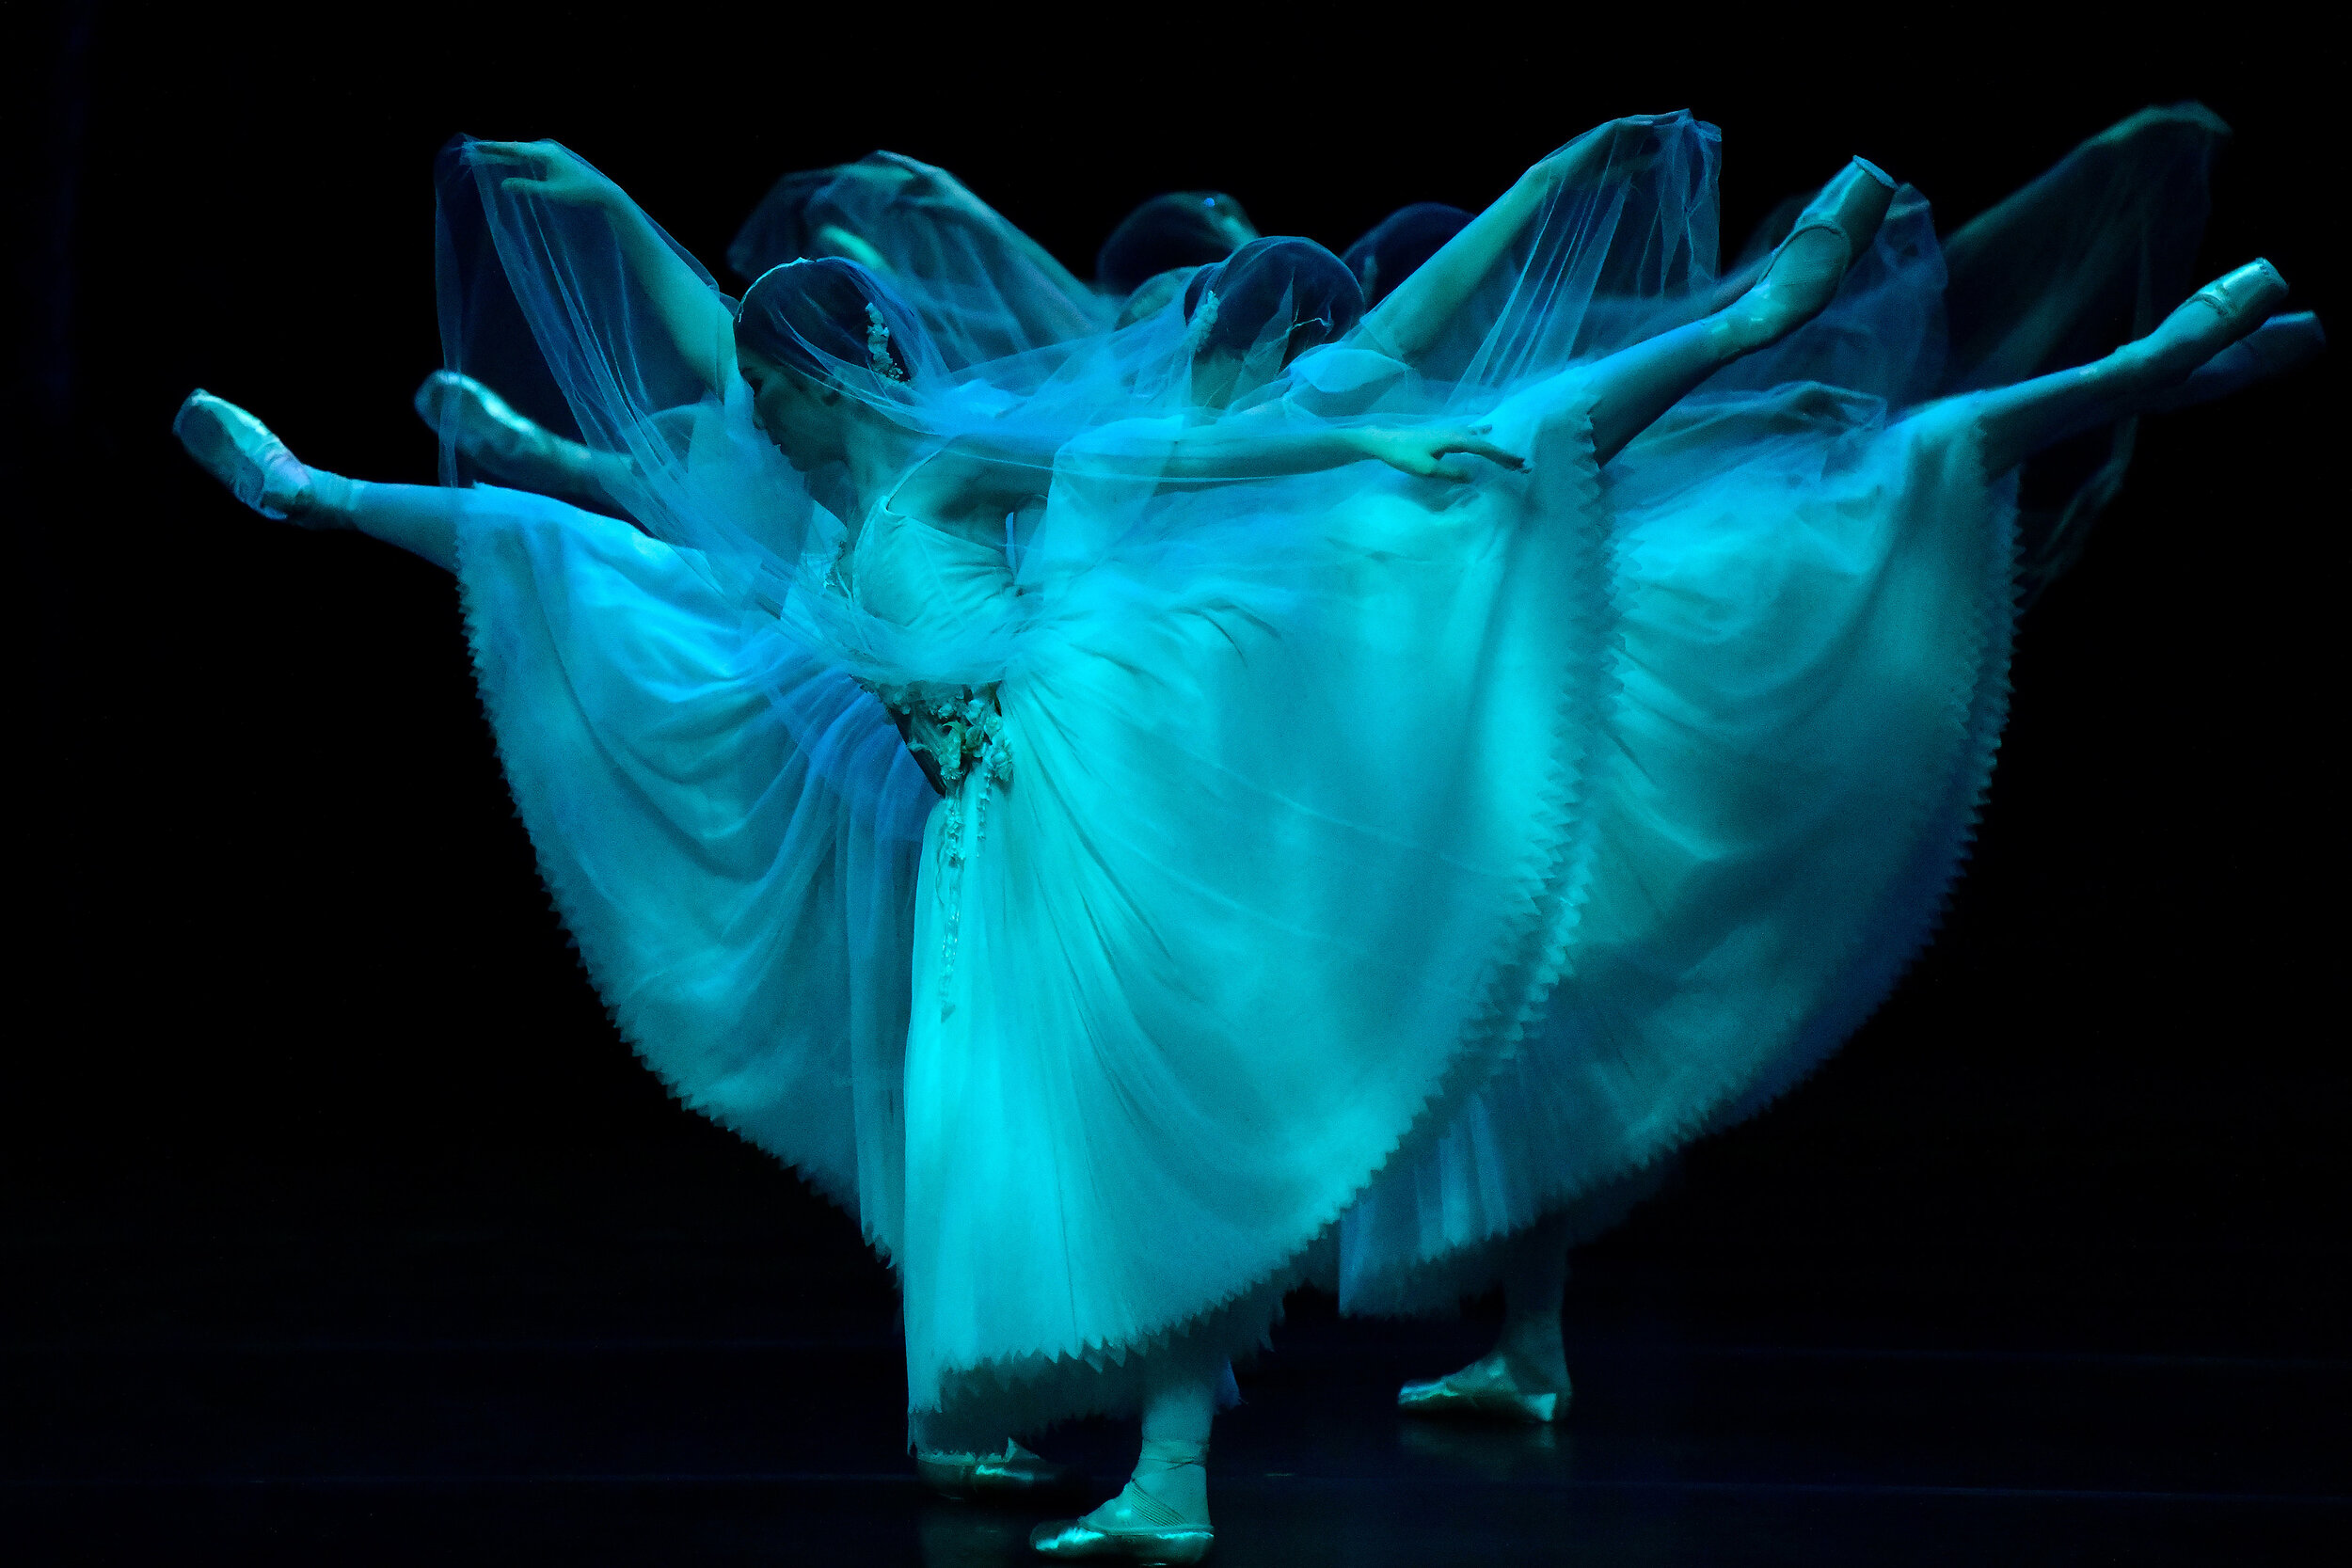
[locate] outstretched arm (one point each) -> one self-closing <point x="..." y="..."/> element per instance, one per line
<point x="686" y="303"/>
<point x="1232" y="449"/>
<point x="988" y="478"/>
<point x="929" y="182"/>
<point x="1409" y="320"/>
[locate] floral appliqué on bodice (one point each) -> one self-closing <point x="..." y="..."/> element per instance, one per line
<point x="910" y="573"/>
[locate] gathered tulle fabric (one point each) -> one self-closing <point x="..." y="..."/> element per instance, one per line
<point x="1775" y="831"/>
<point x="729" y="826"/>
<point x="1878" y="531"/>
<point x="1161" y="1038"/>
<point x="982" y="287"/>
<point x="1361" y="866"/>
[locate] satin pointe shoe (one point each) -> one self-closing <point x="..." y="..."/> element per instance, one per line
<point x="1014" y="1474"/>
<point x="1484" y="1390"/>
<point x="1134" y="1526"/>
<point x="1804" y="272"/>
<point x="2274" y="348"/>
<point x="240" y="451"/>
<point x="482" y="424"/>
<point x="2222" y="312"/>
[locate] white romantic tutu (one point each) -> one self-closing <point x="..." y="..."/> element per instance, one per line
<point x="1361" y="866"/>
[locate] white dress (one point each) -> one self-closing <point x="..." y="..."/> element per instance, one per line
<point x="1338" y="870"/>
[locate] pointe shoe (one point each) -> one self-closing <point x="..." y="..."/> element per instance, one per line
<point x="1484" y="1390"/>
<point x="2225" y="310"/>
<point x="483" y="425"/>
<point x="240" y="451"/>
<point x="1134" y="1526"/>
<point x="2246" y="296"/>
<point x="1801" y="278"/>
<point x="1015" y="1473"/>
<point x="2275" y="347"/>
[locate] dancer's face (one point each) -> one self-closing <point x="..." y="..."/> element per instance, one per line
<point x="799" y="413"/>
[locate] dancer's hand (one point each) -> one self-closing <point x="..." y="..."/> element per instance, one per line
<point x="922" y="179"/>
<point x="1620" y="141"/>
<point x="547" y="171"/>
<point x="1419" y="450"/>
<point x="929" y="182"/>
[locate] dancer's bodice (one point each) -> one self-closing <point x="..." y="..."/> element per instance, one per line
<point x="930" y="580"/>
<point x="908" y="572"/>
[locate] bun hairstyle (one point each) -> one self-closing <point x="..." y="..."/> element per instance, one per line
<point x="1184" y="229"/>
<point x="827" y="317"/>
<point x="1399" y="243"/>
<point x="1289" y="289"/>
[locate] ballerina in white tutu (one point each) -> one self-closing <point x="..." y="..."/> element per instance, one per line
<point x="1093" y="821"/>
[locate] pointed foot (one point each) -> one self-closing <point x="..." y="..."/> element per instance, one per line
<point x="242" y="452"/>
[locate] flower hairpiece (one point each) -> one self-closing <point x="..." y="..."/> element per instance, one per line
<point x="1203" y="318"/>
<point x="877" y="345"/>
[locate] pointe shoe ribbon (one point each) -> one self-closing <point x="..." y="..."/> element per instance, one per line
<point x="1014" y="1473"/>
<point x="240" y="451"/>
<point x="1134" y="1526"/>
<point x="1484" y="1390"/>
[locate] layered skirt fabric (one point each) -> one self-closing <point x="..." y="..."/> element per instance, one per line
<point x="1367" y="866"/>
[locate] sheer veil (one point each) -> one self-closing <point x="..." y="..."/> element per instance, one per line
<point x="1132" y="579"/>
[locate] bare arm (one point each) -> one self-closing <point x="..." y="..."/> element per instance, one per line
<point x="1408" y="320"/>
<point x="1232" y="449"/>
<point x="687" y="304"/>
<point x="980" y="478"/>
<point x="926" y="182"/>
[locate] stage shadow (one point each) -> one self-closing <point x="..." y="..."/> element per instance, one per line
<point x="965" y="1535"/>
<point x="1488" y="1450"/>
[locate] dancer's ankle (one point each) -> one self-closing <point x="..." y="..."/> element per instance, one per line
<point x="1176" y="1474"/>
<point x="1534" y="1355"/>
<point x="329" y="500"/>
<point x="1793" y="290"/>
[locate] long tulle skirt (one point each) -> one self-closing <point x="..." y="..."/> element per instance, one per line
<point x="1381" y="865"/>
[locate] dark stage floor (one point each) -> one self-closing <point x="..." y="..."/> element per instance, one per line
<point x="721" y="1453"/>
<point x="236" y="1381"/>
<point x="336" y="1227"/>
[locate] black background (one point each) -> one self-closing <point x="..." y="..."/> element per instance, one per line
<point x="300" y="1051"/>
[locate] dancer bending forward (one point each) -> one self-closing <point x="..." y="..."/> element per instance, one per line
<point x="1091" y="826"/>
<point x="1725" y="949"/>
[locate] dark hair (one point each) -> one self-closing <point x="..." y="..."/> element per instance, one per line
<point x="817" y="316"/>
<point x="1264" y="277"/>
<point x="1399" y="243"/>
<point x="1184" y="229"/>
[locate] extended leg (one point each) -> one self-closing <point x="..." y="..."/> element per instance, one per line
<point x="1634" y="386"/>
<point x="2021" y="420"/>
<point x="2104" y="238"/>
<point x="514" y="450"/>
<point x="239" y="450"/>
